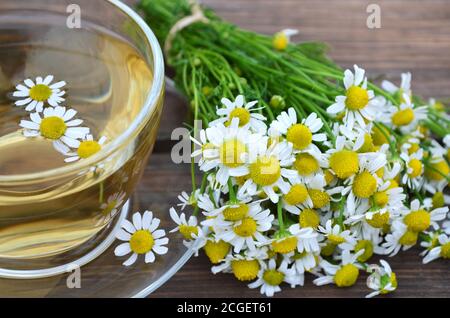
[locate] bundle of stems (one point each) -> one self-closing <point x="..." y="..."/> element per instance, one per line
<point x="218" y="59"/>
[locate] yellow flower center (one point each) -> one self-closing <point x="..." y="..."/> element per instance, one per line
<point x="319" y="198"/>
<point x="378" y="220"/>
<point x="346" y="276"/>
<point x="364" y="185"/>
<point x="241" y="113"/>
<point x="306" y="164"/>
<point x="236" y="213"/>
<point x="328" y="249"/>
<point x="309" y="218"/>
<point x="231" y="153"/>
<point x="285" y="245"/>
<point x="329" y="177"/>
<point x="280" y="41"/>
<point x="445" y="251"/>
<point x="273" y="277"/>
<point x="437" y="170"/>
<point x="367" y="246"/>
<point x="438" y="200"/>
<point x="381" y="199"/>
<point x="246" y="229"/>
<point x="409" y="238"/>
<point x="393" y="281"/>
<point x="380" y="173"/>
<point x="300" y="136"/>
<point x="141" y="242"/>
<point x="418" y="221"/>
<point x="413" y="148"/>
<point x="188" y="231"/>
<point x="265" y="171"/>
<point x="367" y="145"/>
<point x="53" y="127"/>
<point x="335" y="239"/>
<point x="88" y="148"/>
<point x="296" y="195"/>
<point x="40" y="92"/>
<point x="216" y="251"/>
<point x="111" y="206"/>
<point x="245" y="270"/>
<point x="357" y="98"/>
<point x="403" y="117"/>
<point x="241" y="179"/>
<point x="393" y="184"/>
<point x="344" y="163"/>
<point x="379" y="135"/>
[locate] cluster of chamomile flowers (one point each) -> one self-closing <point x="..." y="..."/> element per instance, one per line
<point x="42" y="99"/>
<point x="283" y="198"/>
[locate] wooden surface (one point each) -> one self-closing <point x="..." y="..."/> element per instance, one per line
<point x="415" y="36"/>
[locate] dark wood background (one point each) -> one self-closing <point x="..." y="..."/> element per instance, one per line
<point x="415" y="36"/>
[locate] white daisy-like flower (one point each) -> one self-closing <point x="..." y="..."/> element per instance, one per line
<point x="419" y="219"/>
<point x="267" y="169"/>
<point x="413" y="176"/>
<point x="141" y="237"/>
<point x="334" y="234"/>
<point x="307" y="239"/>
<point x="365" y="183"/>
<point x="303" y="262"/>
<point x="34" y="94"/>
<point x="301" y="135"/>
<point x="399" y="238"/>
<point x="359" y="103"/>
<point x="343" y="275"/>
<point x="87" y="147"/>
<point x="188" y="228"/>
<point x="111" y="207"/>
<point x="58" y="126"/>
<point x="296" y="198"/>
<point x="405" y="85"/>
<point x="243" y="233"/>
<point x="382" y="280"/>
<point x="270" y="278"/>
<point x="227" y="150"/>
<point x="405" y="117"/>
<point x="282" y="39"/>
<point x="247" y="113"/>
<point x="442" y="250"/>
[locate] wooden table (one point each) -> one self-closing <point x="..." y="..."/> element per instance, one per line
<point x="414" y="36"/>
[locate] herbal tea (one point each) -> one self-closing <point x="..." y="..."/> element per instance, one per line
<point x="107" y="84"/>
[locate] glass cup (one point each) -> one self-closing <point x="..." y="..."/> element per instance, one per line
<point x="53" y="214"/>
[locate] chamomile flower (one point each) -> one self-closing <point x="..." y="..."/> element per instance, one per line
<point x="343" y="161"/>
<point x="189" y="229"/>
<point x="399" y="238"/>
<point x="406" y="116"/>
<point x="307" y="238"/>
<point x="245" y="266"/>
<point x="86" y="148"/>
<point x="304" y="261"/>
<point x="344" y="275"/>
<point x="111" y="207"/>
<point x="302" y="135"/>
<point x="439" y="198"/>
<point x="281" y="39"/>
<point x="247" y="113"/>
<point x="228" y="148"/>
<point x="34" y="94"/>
<point x="337" y="237"/>
<point x="359" y="103"/>
<point x="413" y="175"/>
<point x="141" y="237"/>
<point x="296" y="197"/>
<point x="382" y="280"/>
<point x="270" y="278"/>
<point x="405" y="86"/>
<point x="419" y="219"/>
<point x="57" y="125"/>
<point x="267" y="169"/>
<point x="246" y="232"/>
<point x="442" y="250"/>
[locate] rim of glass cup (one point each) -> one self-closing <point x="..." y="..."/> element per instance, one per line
<point x="136" y="126"/>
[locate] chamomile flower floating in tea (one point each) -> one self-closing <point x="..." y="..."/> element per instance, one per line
<point x="86" y="148"/>
<point x="36" y="94"/>
<point x="58" y="125"/>
<point x="142" y="237"/>
<point x="111" y="207"/>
